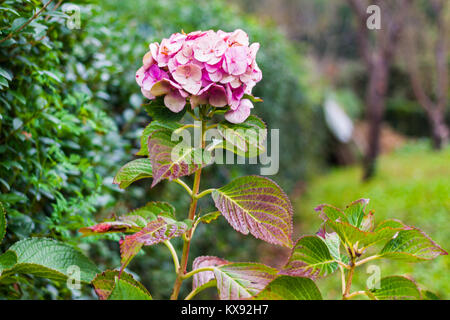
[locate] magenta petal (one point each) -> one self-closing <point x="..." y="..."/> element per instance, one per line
<point x="241" y="113"/>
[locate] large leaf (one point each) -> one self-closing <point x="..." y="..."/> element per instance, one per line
<point x="149" y="129"/>
<point x="124" y="290"/>
<point x="245" y="139"/>
<point x="105" y="285"/>
<point x="242" y="280"/>
<point x="354" y="213"/>
<point x="353" y="225"/>
<point x="109" y="227"/>
<point x="351" y="235"/>
<point x="311" y="258"/>
<point x="49" y="259"/>
<point x="133" y="171"/>
<point x="156" y="231"/>
<point x="412" y="245"/>
<point x="2" y="222"/>
<point x="149" y="212"/>
<point x="290" y="288"/>
<point x="205" y="277"/>
<point x="134" y="221"/>
<point x="257" y="205"/>
<point x="173" y="159"/>
<point x="395" y="287"/>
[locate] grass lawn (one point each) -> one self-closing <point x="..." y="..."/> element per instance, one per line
<point x="412" y="185"/>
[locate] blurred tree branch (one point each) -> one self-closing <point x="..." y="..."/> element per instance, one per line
<point x="435" y="110"/>
<point x="377" y="52"/>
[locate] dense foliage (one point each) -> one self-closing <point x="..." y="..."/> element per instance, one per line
<point x="67" y="94"/>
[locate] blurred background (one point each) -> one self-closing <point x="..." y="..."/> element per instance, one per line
<point x="361" y="113"/>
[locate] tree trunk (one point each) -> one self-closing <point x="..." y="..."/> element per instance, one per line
<point x="375" y="103"/>
<point x="440" y="130"/>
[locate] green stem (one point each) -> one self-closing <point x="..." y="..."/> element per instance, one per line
<point x="348" y="284"/>
<point x="194" y="292"/>
<point x="204" y="193"/>
<point x="184" y="185"/>
<point x="190" y="125"/>
<point x="354" y="294"/>
<point x="187" y="240"/>
<point x="366" y="260"/>
<point x="174" y="255"/>
<point x="190" y="274"/>
<point x="342" y="279"/>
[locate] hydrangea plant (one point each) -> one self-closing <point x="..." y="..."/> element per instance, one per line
<point x="207" y="75"/>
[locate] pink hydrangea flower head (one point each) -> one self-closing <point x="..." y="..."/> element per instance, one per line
<point x="204" y="68"/>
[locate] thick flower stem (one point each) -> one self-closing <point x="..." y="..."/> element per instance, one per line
<point x="187" y="242"/>
<point x="348" y="283"/>
<point x="351" y="271"/>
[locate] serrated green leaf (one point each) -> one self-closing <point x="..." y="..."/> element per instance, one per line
<point x="354" y="213"/>
<point x="133" y="171"/>
<point x="2" y="222"/>
<point x="124" y="290"/>
<point x="290" y="288"/>
<point x="245" y="139"/>
<point x="209" y="217"/>
<point x="242" y="280"/>
<point x="152" y="127"/>
<point x="153" y="209"/>
<point x="133" y="221"/>
<point x="395" y="287"/>
<point x="428" y="295"/>
<point x="156" y="231"/>
<point x="110" y="227"/>
<point x="257" y="205"/>
<point x="104" y="283"/>
<point x="50" y="259"/>
<point x="172" y="159"/>
<point x="158" y="111"/>
<point x="7" y="261"/>
<point x="204" y="279"/>
<point x="351" y="235"/>
<point x="310" y="258"/>
<point x="411" y="245"/>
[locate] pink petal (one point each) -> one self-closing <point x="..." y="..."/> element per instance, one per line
<point x="216" y="76"/>
<point x="140" y="74"/>
<point x="174" y="101"/>
<point x="241" y="113"/>
<point x="154" y="49"/>
<point x="148" y="60"/>
<point x="147" y="94"/>
<point x="192" y="86"/>
<point x="217" y="96"/>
